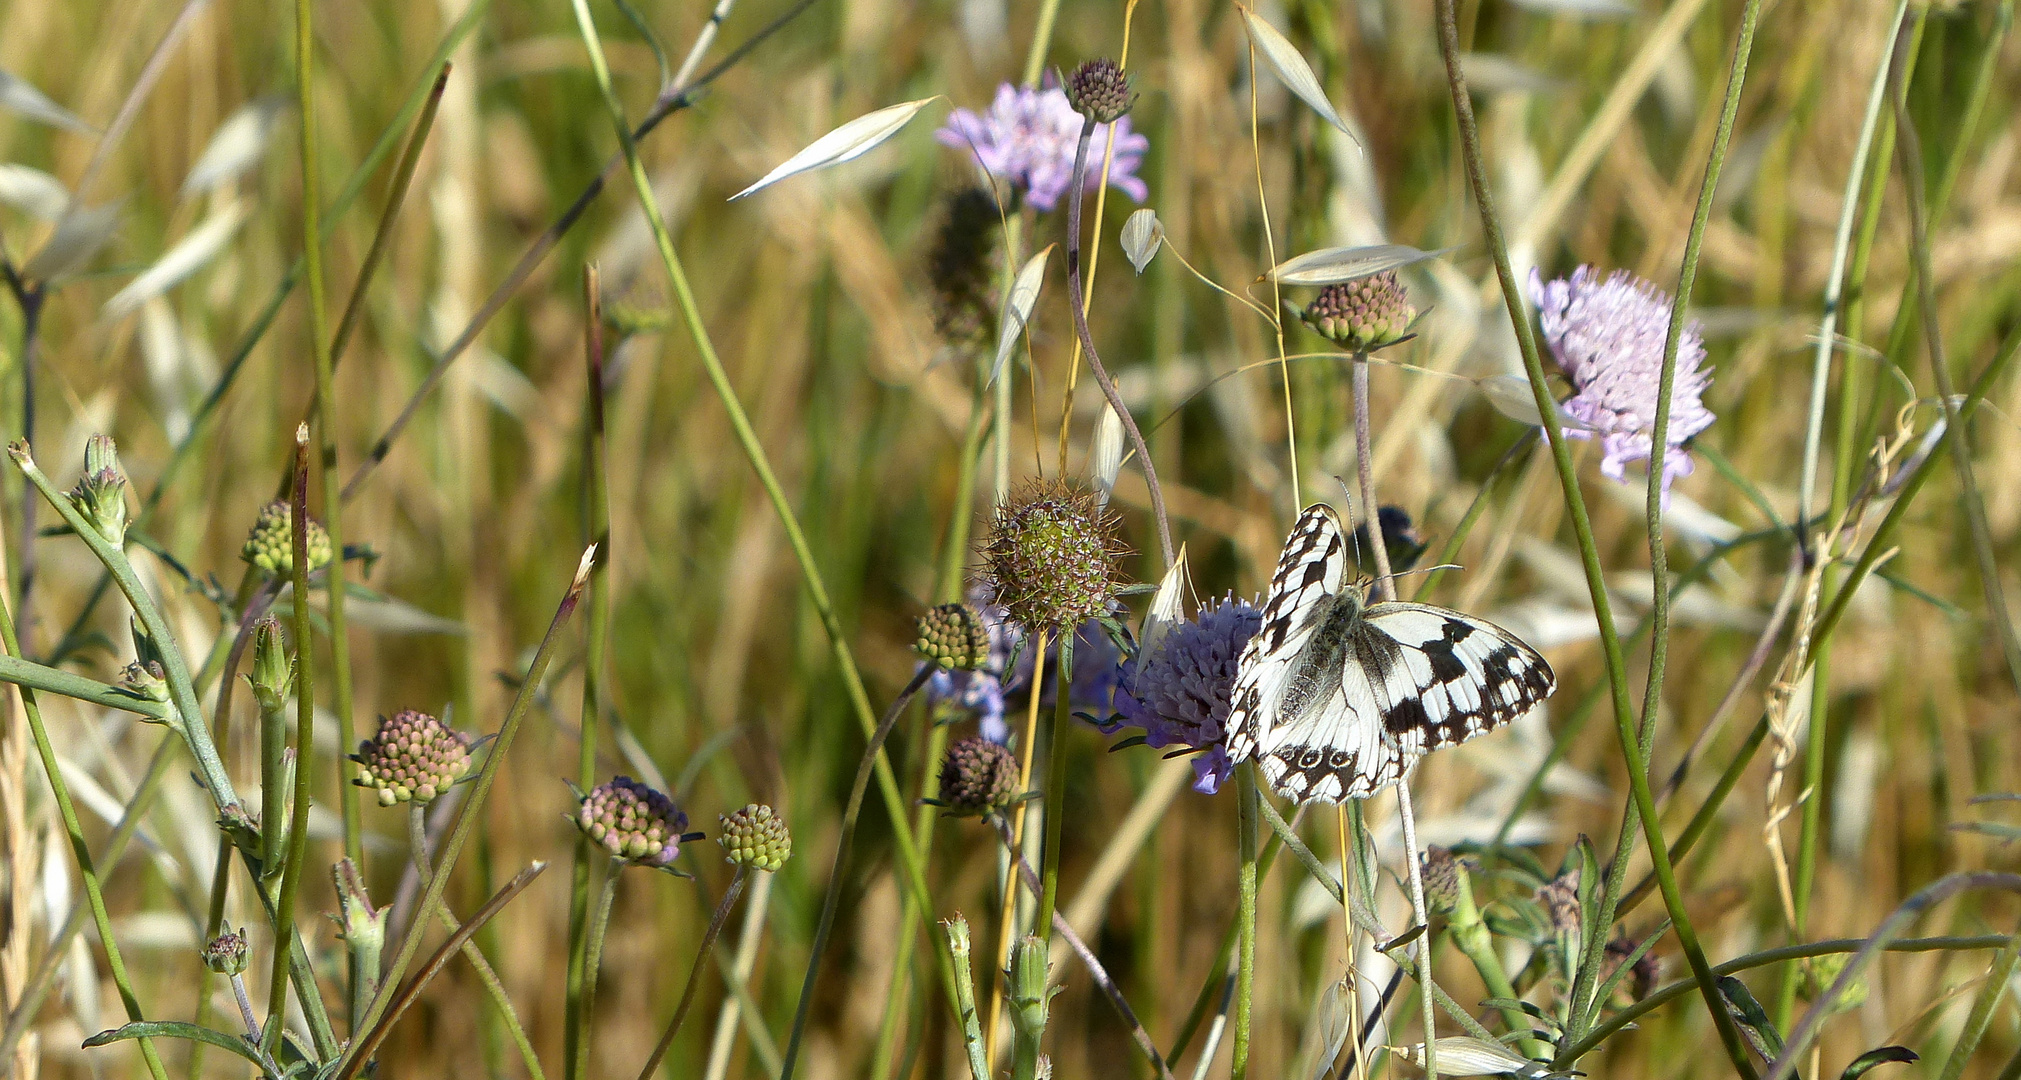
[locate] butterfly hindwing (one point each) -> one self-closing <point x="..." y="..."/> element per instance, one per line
<point x="1336" y="700"/>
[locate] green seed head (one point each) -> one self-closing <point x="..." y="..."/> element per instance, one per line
<point x="756" y="837"/>
<point x="271" y="545"/>
<point x="978" y="777"/>
<point x="954" y="636"/>
<point x="1100" y="90"/>
<point x="633" y="822"/>
<point x="1051" y="556"/>
<point x="414" y="758"/>
<point x="1363" y="314"/>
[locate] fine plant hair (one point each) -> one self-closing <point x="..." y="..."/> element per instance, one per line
<point x="724" y="541"/>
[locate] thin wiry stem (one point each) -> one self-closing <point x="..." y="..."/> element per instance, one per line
<point x="1087" y="341"/>
<point x="1582" y="527"/>
<point x="1364" y="467"/>
<point x="1429" y="989"/>
<point x="1007" y="910"/>
<point x="596" y="523"/>
<point x="305" y="721"/>
<point x="1245" y="912"/>
<point x="695" y="973"/>
<point x="1056" y="781"/>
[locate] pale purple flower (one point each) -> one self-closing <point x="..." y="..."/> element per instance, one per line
<point x="1179" y="694"/>
<point x="1607" y="337"/>
<point x="1027" y="139"/>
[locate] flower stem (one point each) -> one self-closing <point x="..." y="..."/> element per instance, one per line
<point x="1056" y="783"/>
<point x="1245" y="917"/>
<point x="1582" y="527"/>
<point x="964" y="998"/>
<point x="1007" y="911"/>
<point x="305" y="728"/>
<point x="695" y="973"/>
<point x="1429" y="991"/>
<point x="1364" y="467"/>
<point x="596" y="522"/>
<point x="592" y="956"/>
<point x="1087" y="340"/>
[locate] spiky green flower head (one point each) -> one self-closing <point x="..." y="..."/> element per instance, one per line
<point x="1099" y="89"/>
<point x="1364" y="314"/>
<point x="271" y="545"/>
<point x="1441" y="873"/>
<point x="414" y="758"/>
<point x="756" y="837"/>
<point x="962" y="266"/>
<point x="633" y="822"/>
<point x="954" y="636"/>
<point x="225" y="954"/>
<point x="978" y="777"/>
<point x="100" y="494"/>
<point x="1051" y="556"/>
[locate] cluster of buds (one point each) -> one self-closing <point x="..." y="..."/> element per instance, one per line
<point x="100" y="494"/>
<point x="1100" y="91"/>
<point x="271" y="544"/>
<point x="414" y="758"/>
<point x="1363" y="314"/>
<point x="633" y="822"/>
<point x="954" y="636"/>
<point x="977" y="777"/>
<point x="756" y="837"/>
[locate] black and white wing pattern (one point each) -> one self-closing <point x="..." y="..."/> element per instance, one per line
<point x="1336" y="699"/>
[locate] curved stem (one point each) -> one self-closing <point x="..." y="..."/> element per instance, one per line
<point x="1087" y="339"/>
<point x="695" y="973"/>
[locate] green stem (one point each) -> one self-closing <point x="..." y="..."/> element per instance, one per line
<point x="593" y="950"/>
<point x="1582" y="527"/>
<point x="695" y="973"/>
<point x="305" y="726"/>
<point x="30" y="675"/>
<point x="1991" y="990"/>
<point x="79" y="849"/>
<point x="1056" y="784"/>
<point x="963" y="988"/>
<point x="1245" y="917"/>
<point x="596" y="522"/>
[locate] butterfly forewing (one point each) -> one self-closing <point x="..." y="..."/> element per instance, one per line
<point x="1336" y="700"/>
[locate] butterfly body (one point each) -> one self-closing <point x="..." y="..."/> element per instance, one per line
<point x="1336" y="697"/>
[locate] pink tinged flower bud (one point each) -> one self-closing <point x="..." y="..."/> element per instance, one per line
<point x="633" y="822"/>
<point x="414" y="758"/>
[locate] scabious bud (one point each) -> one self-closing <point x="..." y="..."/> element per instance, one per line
<point x="273" y="675"/>
<point x="633" y="822"/>
<point x="1441" y="873"/>
<point x="414" y="758"/>
<point x="271" y="545"/>
<point x="1400" y="541"/>
<point x="977" y="777"/>
<point x="226" y="953"/>
<point x="1051" y="557"/>
<point x="100" y="494"/>
<point x="1366" y="313"/>
<point x="954" y="636"/>
<point x="756" y="837"/>
<point x="1099" y="90"/>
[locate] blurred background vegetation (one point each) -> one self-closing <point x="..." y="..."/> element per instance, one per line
<point x="1596" y="122"/>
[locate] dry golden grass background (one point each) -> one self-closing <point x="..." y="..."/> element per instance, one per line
<point x="1596" y="132"/>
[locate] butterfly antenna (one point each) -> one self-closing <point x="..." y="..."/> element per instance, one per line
<point x="1354" y="534"/>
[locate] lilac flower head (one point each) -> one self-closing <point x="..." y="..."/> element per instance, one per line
<point x="1179" y="693"/>
<point x="1027" y="139"/>
<point x="1607" y="337"/>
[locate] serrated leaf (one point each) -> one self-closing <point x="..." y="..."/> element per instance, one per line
<point x="1143" y="235"/>
<point x="33" y="192"/>
<point x="1291" y="68"/>
<point x="1017" y="308"/>
<point x="1167" y="607"/>
<point x="1464" y="1055"/>
<point x="237" y="145"/>
<point x="1105" y="460"/>
<point x="1883" y="1056"/>
<point x="79" y="235"/>
<point x="187" y="257"/>
<point x="1329" y="266"/>
<point x="21" y="97"/>
<point x="846" y="143"/>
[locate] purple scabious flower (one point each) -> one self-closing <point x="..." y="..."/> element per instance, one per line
<point x="1027" y="139"/>
<point x="1607" y="337"/>
<point x="1179" y="694"/>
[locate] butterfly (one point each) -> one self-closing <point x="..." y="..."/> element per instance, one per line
<point x="1336" y="697"/>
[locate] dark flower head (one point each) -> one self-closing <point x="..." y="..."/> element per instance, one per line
<point x="633" y="822"/>
<point x="1051" y="557"/>
<point x="414" y="758"/>
<point x="1178" y="694"/>
<point x="1607" y="337"/>
<point x="1027" y="139"/>
<point x="271" y="545"/>
<point x="1363" y="314"/>
<point x="1399" y="538"/>
<point x="977" y="777"/>
<point x="962" y="266"/>
<point x="756" y="837"/>
<point x="954" y="636"/>
<point x="1100" y="91"/>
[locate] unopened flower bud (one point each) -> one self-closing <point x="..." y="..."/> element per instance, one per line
<point x="271" y="545"/>
<point x="756" y="837"/>
<point x="633" y="822"/>
<point x="1099" y="89"/>
<point x="273" y="675"/>
<point x="1363" y="314"/>
<point x="414" y="757"/>
<point x="1441" y="873"/>
<point x="226" y="953"/>
<point x="977" y="777"/>
<point x="1051" y="556"/>
<point x="954" y="636"/>
<point x="100" y="494"/>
